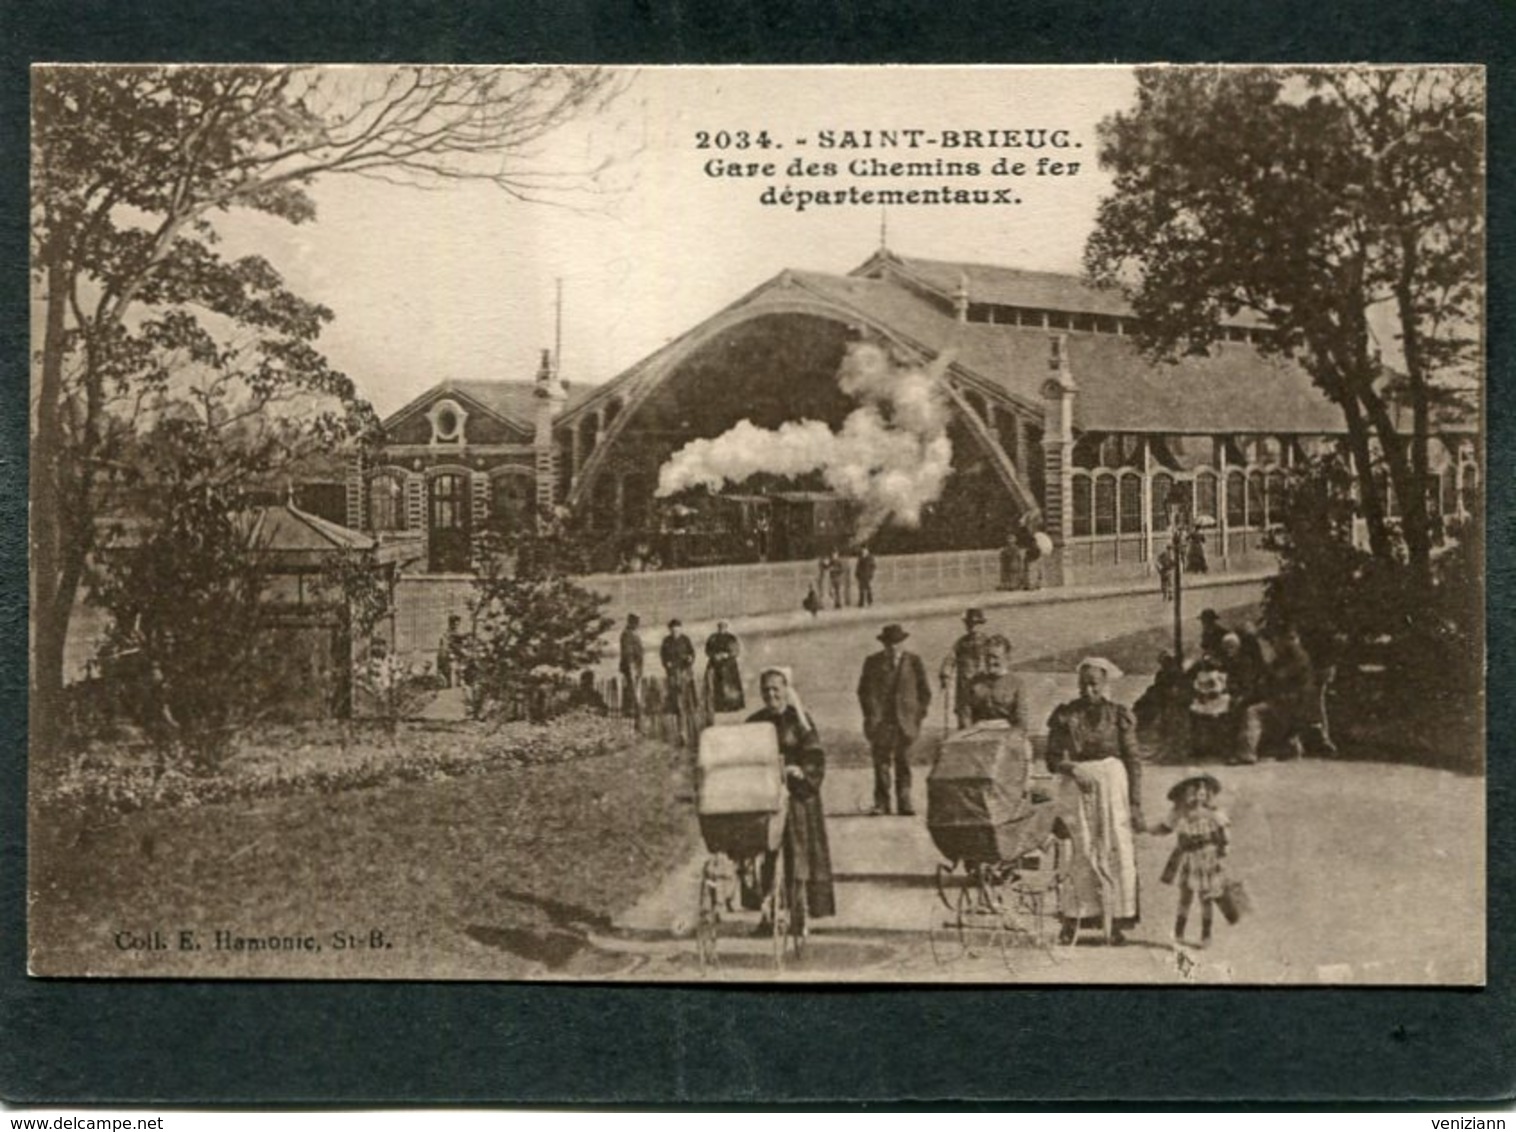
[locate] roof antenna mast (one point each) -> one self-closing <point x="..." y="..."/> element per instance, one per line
<point x="558" y="330"/>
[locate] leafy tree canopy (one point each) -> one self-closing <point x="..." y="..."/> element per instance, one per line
<point x="1344" y="206"/>
<point x="145" y="322"/>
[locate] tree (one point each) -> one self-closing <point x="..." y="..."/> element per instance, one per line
<point x="534" y="629"/>
<point x="184" y="658"/>
<point x="142" y="319"/>
<point x="1331" y="202"/>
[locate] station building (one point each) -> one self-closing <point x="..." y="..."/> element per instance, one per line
<point x="1058" y="423"/>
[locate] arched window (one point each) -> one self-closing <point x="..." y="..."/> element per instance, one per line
<point x="1131" y="505"/>
<point x="1257" y="516"/>
<point x="1105" y="505"/>
<point x="386" y="502"/>
<point x="1082" y="505"/>
<point x="1205" y="495"/>
<point x="1236" y="499"/>
<point x="1275" y="497"/>
<point x="1163" y="487"/>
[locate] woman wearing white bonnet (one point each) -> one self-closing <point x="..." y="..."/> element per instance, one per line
<point x="807" y="853"/>
<point x="1092" y="741"/>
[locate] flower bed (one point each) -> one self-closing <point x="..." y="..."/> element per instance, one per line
<point x="279" y="762"/>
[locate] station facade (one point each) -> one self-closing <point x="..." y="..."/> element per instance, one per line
<point x="1058" y="423"/>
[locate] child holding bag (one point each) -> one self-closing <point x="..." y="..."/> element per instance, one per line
<point x="1200" y="830"/>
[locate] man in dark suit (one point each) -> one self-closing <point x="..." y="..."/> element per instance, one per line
<point x="632" y="654"/>
<point x="894" y="694"/>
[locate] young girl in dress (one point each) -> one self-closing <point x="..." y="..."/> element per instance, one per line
<point x="1201" y="842"/>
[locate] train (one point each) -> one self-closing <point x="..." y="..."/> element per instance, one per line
<point x="717" y="529"/>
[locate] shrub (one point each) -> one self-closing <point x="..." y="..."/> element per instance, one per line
<point x="534" y="631"/>
<point x="1420" y="638"/>
<point x="185" y="608"/>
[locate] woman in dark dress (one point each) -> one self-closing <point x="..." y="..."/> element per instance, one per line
<point x="807" y="856"/>
<point x="722" y="672"/>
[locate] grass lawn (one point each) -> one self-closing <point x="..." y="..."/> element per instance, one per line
<point x="1137" y="652"/>
<point x="487" y="875"/>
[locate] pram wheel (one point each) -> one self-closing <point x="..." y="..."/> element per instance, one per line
<point x="780" y="912"/>
<point x="708" y="915"/>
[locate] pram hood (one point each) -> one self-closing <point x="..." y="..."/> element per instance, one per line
<point x="980" y="778"/>
<point x="739" y="770"/>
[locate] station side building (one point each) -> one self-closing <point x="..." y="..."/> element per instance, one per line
<point x="1058" y="422"/>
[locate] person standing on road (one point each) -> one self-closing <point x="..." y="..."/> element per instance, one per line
<point x="678" y="655"/>
<point x="1195" y="561"/>
<point x="836" y="572"/>
<point x="995" y="693"/>
<point x="632" y="655"/>
<point x="1038" y="556"/>
<point x="1012" y="564"/>
<point x="894" y="694"/>
<point x="721" y="670"/>
<point x="963" y="663"/>
<point x="1092" y="742"/>
<point x="865" y="573"/>
<point x="1166" y="573"/>
<point x="807" y="854"/>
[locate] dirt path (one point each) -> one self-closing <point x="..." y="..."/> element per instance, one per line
<point x="1360" y="873"/>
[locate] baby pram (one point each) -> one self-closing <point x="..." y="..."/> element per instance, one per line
<point x="742" y="804"/>
<point x="996" y="822"/>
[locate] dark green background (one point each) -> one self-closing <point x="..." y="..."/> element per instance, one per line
<point x="197" y="1043"/>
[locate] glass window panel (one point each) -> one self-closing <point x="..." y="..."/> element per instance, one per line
<point x="1105" y="505"/>
<point x="1131" y="505"/>
<point x="1163" y="487"/>
<point x="1205" y="496"/>
<point x="1256" y="516"/>
<point x="1236" y="500"/>
<point x="386" y="503"/>
<point x="1082" y="489"/>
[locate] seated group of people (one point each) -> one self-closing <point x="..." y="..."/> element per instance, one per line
<point x="1235" y="704"/>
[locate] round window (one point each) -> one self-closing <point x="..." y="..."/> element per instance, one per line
<point x="447" y="422"/>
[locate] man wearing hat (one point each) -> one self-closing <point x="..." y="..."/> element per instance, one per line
<point x="894" y="694"/>
<point x="632" y="654"/>
<point x="1211" y="632"/>
<point x="964" y="663"/>
<point x="678" y="655"/>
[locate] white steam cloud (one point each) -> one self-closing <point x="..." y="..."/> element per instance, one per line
<point x="891" y="456"/>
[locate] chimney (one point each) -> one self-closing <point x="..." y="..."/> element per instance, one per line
<point x="549" y="385"/>
<point x="961" y="297"/>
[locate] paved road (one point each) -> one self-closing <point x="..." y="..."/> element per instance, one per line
<point x="1360" y="873"/>
<point x="826" y="662"/>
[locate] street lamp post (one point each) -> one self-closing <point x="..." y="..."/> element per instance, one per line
<point x="1177" y="536"/>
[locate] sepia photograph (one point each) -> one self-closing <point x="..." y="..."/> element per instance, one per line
<point x="750" y="525"/>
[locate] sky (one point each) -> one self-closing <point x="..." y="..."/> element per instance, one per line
<point x="459" y="282"/>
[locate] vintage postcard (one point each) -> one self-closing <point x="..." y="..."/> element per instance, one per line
<point x="871" y="524"/>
